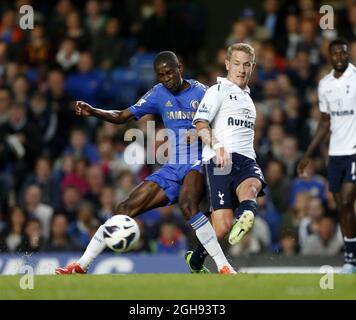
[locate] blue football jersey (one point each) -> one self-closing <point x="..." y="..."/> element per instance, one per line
<point x="177" y="111"/>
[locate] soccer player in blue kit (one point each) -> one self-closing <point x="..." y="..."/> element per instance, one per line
<point x="175" y="100"/>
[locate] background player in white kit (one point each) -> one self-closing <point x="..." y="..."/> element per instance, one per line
<point x="337" y="103"/>
<point x="225" y="121"/>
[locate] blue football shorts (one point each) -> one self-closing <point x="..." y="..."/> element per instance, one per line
<point x="170" y="178"/>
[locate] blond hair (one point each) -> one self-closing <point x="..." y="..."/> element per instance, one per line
<point x="244" y="47"/>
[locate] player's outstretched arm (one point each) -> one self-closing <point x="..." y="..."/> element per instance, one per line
<point x="115" y="116"/>
<point x="321" y="133"/>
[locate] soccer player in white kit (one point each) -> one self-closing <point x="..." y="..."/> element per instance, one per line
<point x="337" y="103"/>
<point x="225" y="121"/>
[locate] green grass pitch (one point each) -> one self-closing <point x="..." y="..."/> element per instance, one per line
<point x="179" y="287"/>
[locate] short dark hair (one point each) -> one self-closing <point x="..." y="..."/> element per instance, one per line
<point x="338" y="42"/>
<point x="168" y="57"/>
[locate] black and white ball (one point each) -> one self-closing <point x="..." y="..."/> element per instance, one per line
<point x="121" y="233"/>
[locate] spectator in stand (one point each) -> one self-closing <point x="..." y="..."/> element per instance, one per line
<point x="239" y="33"/>
<point x="80" y="230"/>
<point x="171" y="239"/>
<point x="254" y="31"/>
<point x="63" y="105"/>
<point x="13" y="236"/>
<point x="96" y="183"/>
<point x="64" y="166"/>
<point x="59" y="240"/>
<point x="145" y="244"/>
<point x="94" y="20"/>
<point x="75" y="31"/>
<point x="45" y="180"/>
<point x="272" y="19"/>
<point x="6" y="178"/>
<point x="348" y="25"/>
<point x="71" y="199"/>
<point x="310" y="223"/>
<point x="3" y="58"/>
<point x="107" y="204"/>
<point x="39" y="112"/>
<point x="5" y="101"/>
<point x="268" y="212"/>
<point x="159" y="22"/>
<point x="278" y="185"/>
<point x="302" y="73"/>
<point x="38" y="51"/>
<point x="313" y="183"/>
<point x="108" y="163"/>
<point x="288" y="47"/>
<point x="288" y="245"/>
<point x="35" y="208"/>
<point x="125" y="184"/>
<point x="326" y="241"/>
<point x="276" y="136"/>
<point x="20" y="89"/>
<point x="291" y="220"/>
<point x="10" y="32"/>
<point x="24" y="142"/>
<point x="67" y="56"/>
<point x="290" y="155"/>
<point x="267" y="69"/>
<point x="78" y="178"/>
<point x="57" y="21"/>
<point x="80" y="146"/>
<point x="110" y="50"/>
<point x="34" y="239"/>
<point x="309" y="40"/>
<point x="85" y="84"/>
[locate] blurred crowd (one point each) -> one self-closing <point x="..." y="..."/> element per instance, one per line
<point x="61" y="175"/>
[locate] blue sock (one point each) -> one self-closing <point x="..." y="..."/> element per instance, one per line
<point x="246" y="205"/>
<point x="198" y="220"/>
<point x="350" y="251"/>
<point x="199" y="254"/>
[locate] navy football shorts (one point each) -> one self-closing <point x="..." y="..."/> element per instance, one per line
<point x="341" y="169"/>
<point x="222" y="185"/>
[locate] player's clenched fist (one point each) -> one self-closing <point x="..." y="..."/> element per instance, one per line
<point x="83" y="109"/>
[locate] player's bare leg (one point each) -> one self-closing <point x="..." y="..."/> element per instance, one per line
<point x="222" y="221"/>
<point x="189" y="198"/>
<point x="347" y="219"/>
<point x="145" y="196"/>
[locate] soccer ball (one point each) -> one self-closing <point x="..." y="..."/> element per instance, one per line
<point x="121" y="233"/>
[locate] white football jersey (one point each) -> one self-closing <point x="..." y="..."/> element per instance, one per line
<point x="231" y="114"/>
<point x="337" y="97"/>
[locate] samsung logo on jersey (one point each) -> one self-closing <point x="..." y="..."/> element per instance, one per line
<point x="238" y="122"/>
<point x="180" y="115"/>
<point x="342" y="113"/>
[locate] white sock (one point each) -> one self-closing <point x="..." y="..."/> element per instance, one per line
<point x="207" y="237"/>
<point x="94" y="248"/>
